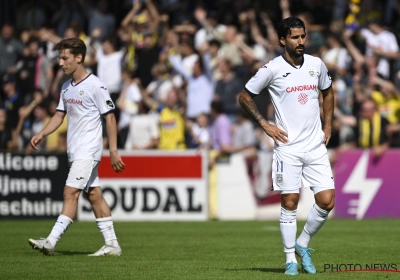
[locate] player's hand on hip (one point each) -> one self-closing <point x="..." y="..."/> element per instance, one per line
<point x="35" y="141"/>
<point x="116" y="162"/>
<point x="327" y="137"/>
<point x="275" y="133"/>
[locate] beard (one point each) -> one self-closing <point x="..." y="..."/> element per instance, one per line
<point x="296" y="52"/>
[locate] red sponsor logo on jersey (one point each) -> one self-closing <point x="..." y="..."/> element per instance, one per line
<point x="73" y="101"/>
<point x="301" y="88"/>
<point x="302" y="98"/>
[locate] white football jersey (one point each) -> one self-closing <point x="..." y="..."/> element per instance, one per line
<point x="85" y="103"/>
<point x="294" y="94"/>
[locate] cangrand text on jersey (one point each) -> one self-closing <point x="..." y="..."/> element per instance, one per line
<point x="73" y="101"/>
<point x="301" y="88"/>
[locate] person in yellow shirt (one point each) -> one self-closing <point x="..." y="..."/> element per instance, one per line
<point x="387" y="100"/>
<point x="172" y="125"/>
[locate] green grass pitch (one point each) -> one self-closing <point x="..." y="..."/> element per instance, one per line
<point x="195" y="250"/>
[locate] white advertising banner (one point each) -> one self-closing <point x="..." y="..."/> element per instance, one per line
<point x="155" y="186"/>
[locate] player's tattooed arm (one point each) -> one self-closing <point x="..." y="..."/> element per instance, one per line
<point x="328" y="107"/>
<point x="248" y="104"/>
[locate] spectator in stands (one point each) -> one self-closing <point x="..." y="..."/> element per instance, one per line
<point x="99" y="18"/>
<point x="221" y="129"/>
<point x="161" y="84"/>
<point x="200" y="88"/>
<point x="210" y="29"/>
<point x="24" y="129"/>
<point x="36" y="70"/>
<point x="109" y="62"/>
<point x="146" y="58"/>
<point x="243" y="136"/>
<point x="65" y="14"/>
<point x="10" y="49"/>
<point x="228" y="88"/>
<point x="387" y="98"/>
<point x="143" y="133"/>
<point x="382" y="44"/>
<point x="210" y="52"/>
<point x="371" y="129"/>
<point x="13" y="103"/>
<point x="335" y="56"/>
<point x="200" y="132"/>
<point x="30" y="16"/>
<point x="128" y="104"/>
<point x="169" y="46"/>
<point x="41" y="118"/>
<point x="172" y="126"/>
<point x="189" y="58"/>
<point x="230" y="49"/>
<point x="145" y="20"/>
<point x="315" y="39"/>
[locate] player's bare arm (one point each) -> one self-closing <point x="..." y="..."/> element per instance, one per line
<point x="247" y="103"/>
<point x="50" y="127"/>
<point x="116" y="162"/>
<point x="328" y="107"/>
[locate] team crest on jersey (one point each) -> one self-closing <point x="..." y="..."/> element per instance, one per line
<point x="313" y="73"/>
<point x="279" y="178"/>
<point x="81" y="92"/>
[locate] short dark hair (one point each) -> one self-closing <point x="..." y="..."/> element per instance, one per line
<point x="31" y="40"/>
<point x="76" y="28"/>
<point x="283" y="27"/>
<point x="217" y="106"/>
<point x="215" y="42"/>
<point x="74" y="45"/>
<point x="113" y="40"/>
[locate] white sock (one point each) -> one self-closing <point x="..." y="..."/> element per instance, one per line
<point x="315" y="220"/>
<point x="106" y="227"/>
<point x="288" y="227"/>
<point x="60" y="227"/>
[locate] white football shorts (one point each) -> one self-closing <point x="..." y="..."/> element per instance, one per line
<point x="83" y="174"/>
<point x="311" y="169"/>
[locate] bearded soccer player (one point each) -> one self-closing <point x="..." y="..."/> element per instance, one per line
<point x="294" y="81"/>
<point x="85" y="100"/>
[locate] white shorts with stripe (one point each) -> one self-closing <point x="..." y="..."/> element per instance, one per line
<point x="311" y="169"/>
<point x="83" y="174"/>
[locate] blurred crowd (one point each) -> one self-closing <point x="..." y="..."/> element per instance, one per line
<point x="175" y="69"/>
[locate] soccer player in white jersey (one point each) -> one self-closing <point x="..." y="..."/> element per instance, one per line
<point x="85" y="100"/>
<point x="294" y="81"/>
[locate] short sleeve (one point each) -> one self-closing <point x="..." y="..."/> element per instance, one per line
<point x="133" y="93"/>
<point x="154" y="129"/>
<point x="103" y="100"/>
<point x="260" y="80"/>
<point x="325" y="80"/>
<point x="365" y="33"/>
<point x="61" y="104"/>
<point x="151" y="87"/>
<point x="392" y="43"/>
